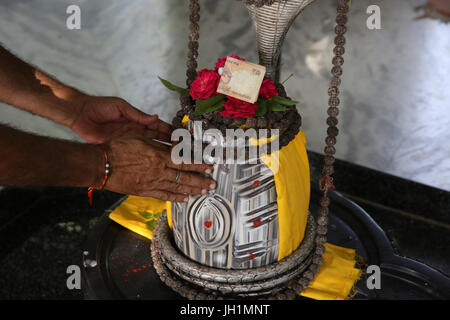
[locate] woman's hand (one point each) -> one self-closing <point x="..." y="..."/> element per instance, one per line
<point x="143" y="167"/>
<point x="100" y="119"/>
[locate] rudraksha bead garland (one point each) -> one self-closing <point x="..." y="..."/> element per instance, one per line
<point x="194" y="18"/>
<point x="192" y="292"/>
<point x="168" y="270"/>
<point x="183" y="288"/>
<point x="326" y="181"/>
<point x="187" y="104"/>
<point x="287" y="122"/>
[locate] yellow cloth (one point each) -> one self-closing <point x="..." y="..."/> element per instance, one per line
<point x="127" y="214"/>
<point x="337" y="275"/>
<point x="185" y="120"/>
<point x="291" y="174"/>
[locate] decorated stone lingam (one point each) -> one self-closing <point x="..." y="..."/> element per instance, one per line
<point x="237" y="225"/>
<point x="234" y="227"/>
<point x="253" y="235"/>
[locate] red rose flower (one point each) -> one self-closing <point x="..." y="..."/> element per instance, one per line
<point x="221" y="62"/>
<point x="205" y="85"/>
<point x="238" y="108"/>
<point x="268" y="89"/>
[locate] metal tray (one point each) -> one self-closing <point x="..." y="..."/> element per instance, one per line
<point x="117" y="262"/>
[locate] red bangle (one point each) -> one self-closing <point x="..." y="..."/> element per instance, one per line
<point x="91" y="189"/>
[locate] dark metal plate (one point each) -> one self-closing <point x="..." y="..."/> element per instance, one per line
<point x="118" y="265"/>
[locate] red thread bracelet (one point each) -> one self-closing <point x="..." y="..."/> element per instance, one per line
<point x="91" y="189"/>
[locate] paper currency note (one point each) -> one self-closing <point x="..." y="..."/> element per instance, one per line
<point x="241" y="79"/>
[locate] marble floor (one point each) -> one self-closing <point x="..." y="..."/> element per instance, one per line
<point x="395" y="91"/>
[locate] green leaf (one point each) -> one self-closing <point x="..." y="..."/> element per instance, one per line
<point x="262" y="108"/>
<point x="278" y="108"/>
<point x="148" y="215"/>
<point x="209" y="105"/>
<point x="284" y="101"/>
<point x="266" y="105"/>
<point x="151" y="225"/>
<point x="275" y="106"/>
<point x="216" y="107"/>
<point x="182" y="91"/>
<point x="204" y="103"/>
<point x="285" y="80"/>
<point x="157" y="215"/>
<point x="145" y="215"/>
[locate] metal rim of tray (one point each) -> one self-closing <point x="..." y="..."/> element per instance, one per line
<point x="253" y="281"/>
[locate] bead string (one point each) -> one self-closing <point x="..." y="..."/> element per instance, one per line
<point x="187" y="103"/>
<point x="326" y="181"/>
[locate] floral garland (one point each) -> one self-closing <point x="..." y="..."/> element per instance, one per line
<point x="203" y="91"/>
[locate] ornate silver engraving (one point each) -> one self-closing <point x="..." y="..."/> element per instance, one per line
<point x="272" y="24"/>
<point x="234" y="227"/>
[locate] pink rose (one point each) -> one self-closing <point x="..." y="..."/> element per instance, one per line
<point x="221" y="62"/>
<point x="268" y="89"/>
<point x="238" y="108"/>
<point x="205" y="85"/>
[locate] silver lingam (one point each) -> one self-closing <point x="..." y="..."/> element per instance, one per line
<point x="236" y="226"/>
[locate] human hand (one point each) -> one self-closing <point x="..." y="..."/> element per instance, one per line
<point x="100" y="119"/>
<point x="143" y="167"/>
